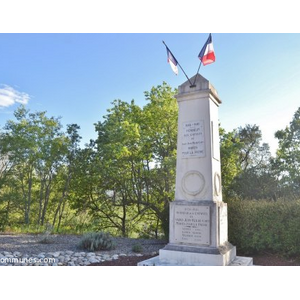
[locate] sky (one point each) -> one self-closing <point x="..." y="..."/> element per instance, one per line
<point x="77" y="76"/>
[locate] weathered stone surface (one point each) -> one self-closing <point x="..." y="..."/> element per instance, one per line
<point x="56" y="254"/>
<point x="67" y="258"/>
<point x="58" y="258"/>
<point x="93" y="260"/>
<point x="61" y="258"/>
<point x="105" y="256"/>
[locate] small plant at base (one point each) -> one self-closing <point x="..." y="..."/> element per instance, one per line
<point x="137" y="248"/>
<point x="96" y="241"/>
<point x="46" y="239"/>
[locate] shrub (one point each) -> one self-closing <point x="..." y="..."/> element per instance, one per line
<point x="46" y="238"/>
<point x="256" y="226"/>
<point x="96" y="241"/>
<point x="137" y="248"/>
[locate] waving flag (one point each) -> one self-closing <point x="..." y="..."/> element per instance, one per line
<point x="172" y="61"/>
<point x="207" y="53"/>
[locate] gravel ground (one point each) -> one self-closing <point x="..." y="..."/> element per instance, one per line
<point x="30" y="244"/>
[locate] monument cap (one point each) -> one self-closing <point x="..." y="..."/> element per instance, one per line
<point x="201" y="84"/>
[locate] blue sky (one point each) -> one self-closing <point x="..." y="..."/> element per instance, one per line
<point x="77" y="76"/>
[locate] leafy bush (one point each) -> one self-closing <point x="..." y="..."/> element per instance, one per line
<point x="96" y="241"/>
<point x="256" y="226"/>
<point x="137" y="248"/>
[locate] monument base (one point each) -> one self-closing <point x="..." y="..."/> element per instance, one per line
<point x="155" y="261"/>
<point x="182" y="255"/>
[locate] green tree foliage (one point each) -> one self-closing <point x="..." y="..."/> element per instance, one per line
<point x="257" y="226"/>
<point x="246" y="164"/>
<point x="120" y="160"/>
<point x="67" y="172"/>
<point x="35" y="150"/>
<point x="287" y="162"/>
<point x="131" y="166"/>
<point x="161" y="114"/>
<point x="257" y="179"/>
<point x="124" y="180"/>
<point x="250" y="138"/>
<point x="230" y="147"/>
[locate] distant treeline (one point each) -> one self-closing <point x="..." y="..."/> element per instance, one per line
<point x="123" y="181"/>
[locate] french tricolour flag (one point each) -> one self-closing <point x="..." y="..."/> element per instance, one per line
<point x="207" y="53"/>
<point x="172" y="61"/>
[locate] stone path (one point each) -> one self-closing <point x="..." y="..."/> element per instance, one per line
<point x="27" y="250"/>
<point x="58" y="258"/>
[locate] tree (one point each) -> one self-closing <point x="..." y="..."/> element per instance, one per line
<point x="121" y="161"/>
<point x="246" y="164"/>
<point x="160" y="145"/>
<point x="287" y="162"/>
<point x="127" y="177"/>
<point x="19" y="146"/>
<point x="68" y="170"/>
<point x="250" y="137"/>
<point x="35" y="148"/>
<point x="230" y="147"/>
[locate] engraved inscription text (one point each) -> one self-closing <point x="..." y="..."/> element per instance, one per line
<point x="192" y="224"/>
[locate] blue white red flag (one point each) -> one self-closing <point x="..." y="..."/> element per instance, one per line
<point x="207" y="53"/>
<point x="172" y="61"/>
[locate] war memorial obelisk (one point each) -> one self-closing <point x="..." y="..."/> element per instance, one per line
<point x="198" y="216"/>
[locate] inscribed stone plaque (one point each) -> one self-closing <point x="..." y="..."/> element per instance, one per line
<point x="192" y="140"/>
<point x="223" y="224"/>
<point x="192" y="224"/>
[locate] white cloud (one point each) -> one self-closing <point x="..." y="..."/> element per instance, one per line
<point x="9" y="96"/>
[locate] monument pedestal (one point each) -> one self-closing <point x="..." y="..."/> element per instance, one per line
<point x="198" y="237"/>
<point x="198" y="216"/>
<point x="198" y="234"/>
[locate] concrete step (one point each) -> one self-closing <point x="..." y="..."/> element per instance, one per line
<point x="239" y="261"/>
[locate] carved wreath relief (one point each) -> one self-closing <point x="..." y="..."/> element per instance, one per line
<point x="193" y="183"/>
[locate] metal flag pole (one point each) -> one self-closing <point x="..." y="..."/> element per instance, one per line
<point x="197" y="73"/>
<point x="191" y="85"/>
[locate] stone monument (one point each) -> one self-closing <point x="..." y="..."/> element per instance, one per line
<point x="198" y="216"/>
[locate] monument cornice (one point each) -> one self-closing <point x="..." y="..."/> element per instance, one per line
<point x="200" y="89"/>
<point x="195" y="95"/>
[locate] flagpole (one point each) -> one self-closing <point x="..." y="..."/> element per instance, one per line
<point x="191" y="85"/>
<point x="197" y="73"/>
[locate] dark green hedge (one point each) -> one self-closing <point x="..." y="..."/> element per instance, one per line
<point x="256" y="226"/>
